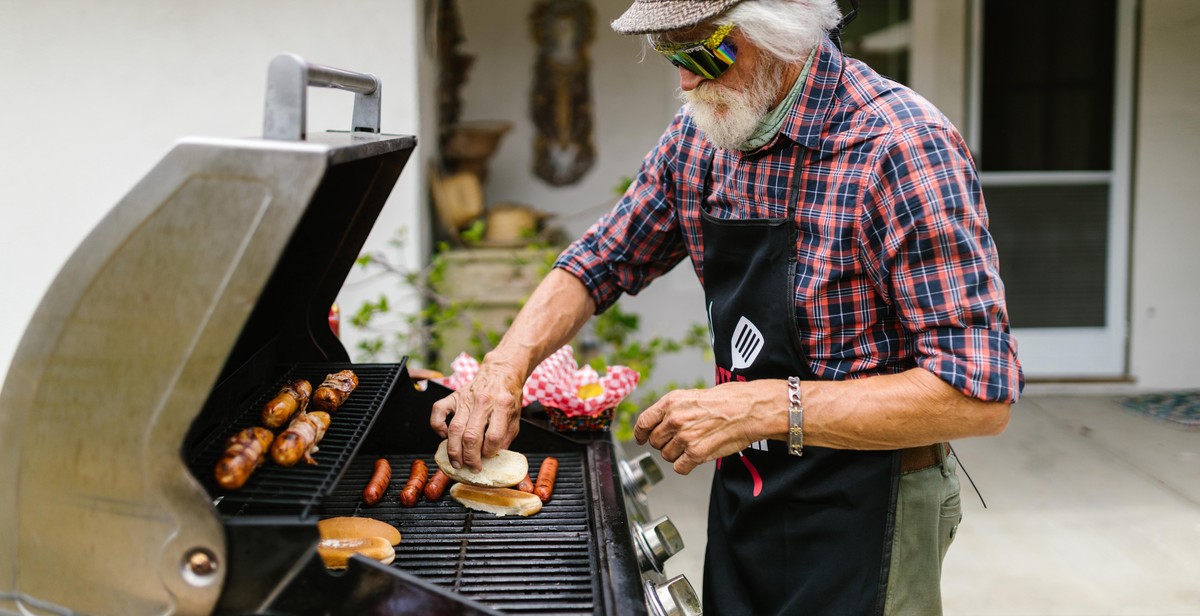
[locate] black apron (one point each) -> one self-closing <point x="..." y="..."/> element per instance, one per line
<point x="786" y="534"/>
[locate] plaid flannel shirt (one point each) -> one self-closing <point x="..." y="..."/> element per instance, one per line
<point x="895" y="265"/>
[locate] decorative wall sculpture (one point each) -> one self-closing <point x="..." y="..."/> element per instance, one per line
<point x="561" y="101"/>
<point x="444" y="31"/>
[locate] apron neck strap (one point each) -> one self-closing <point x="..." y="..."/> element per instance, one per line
<point x="836" y="33"/>
<point x="793" y="197"/>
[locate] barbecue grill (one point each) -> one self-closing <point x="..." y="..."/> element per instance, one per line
<point x="203" y="291"/>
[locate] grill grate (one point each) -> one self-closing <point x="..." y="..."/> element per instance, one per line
<point x="297" y="490"/>
<point x="541" y="564"/>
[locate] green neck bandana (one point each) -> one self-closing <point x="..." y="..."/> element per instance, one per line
<point x="769" y="126"/>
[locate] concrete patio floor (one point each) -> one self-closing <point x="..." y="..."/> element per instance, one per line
<point x="1091" y="510"/>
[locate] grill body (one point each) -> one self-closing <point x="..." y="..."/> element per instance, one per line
<point x="183" y="311"/>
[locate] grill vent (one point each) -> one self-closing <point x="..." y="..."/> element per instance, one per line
<point x="297" y="490"/>
<point x="541" y="564"/>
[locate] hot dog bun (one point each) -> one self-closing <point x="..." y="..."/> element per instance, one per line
<point x="348" y="527"/>
<point x="336" y="553"/>
<point x="418" y="374"/>
<point x="505" y="470"/>
<point x="500" y="501"/>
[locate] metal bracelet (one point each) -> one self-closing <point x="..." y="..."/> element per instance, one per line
<point x="795" y="418"/>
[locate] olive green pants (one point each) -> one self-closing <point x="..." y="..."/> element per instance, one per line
<point x="928" y="512"/>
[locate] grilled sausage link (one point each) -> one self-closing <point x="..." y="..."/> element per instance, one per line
<point x="300" y="440"/>
<point x="416" y="483"/>
<point x="291" y="398"/>
<point x="436" y="486"/>
<point x="378" y="484"/>
<point x="526" y="485"/>
<point x="244" y="452"/>
<point x="334" y="391"/>
<point x="545" y="479"/>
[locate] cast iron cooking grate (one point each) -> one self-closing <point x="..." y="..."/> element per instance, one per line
<point x="297" y="490"/>
<point x="541" y="564"/>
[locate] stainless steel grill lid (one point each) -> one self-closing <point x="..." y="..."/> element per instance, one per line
<point x="143" y="319"/>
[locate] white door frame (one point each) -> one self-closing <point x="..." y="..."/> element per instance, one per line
<point x="1078" y="353"/>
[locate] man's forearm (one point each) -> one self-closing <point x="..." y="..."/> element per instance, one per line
<point x="893" y="411"/>
<point x="554" y="313"/>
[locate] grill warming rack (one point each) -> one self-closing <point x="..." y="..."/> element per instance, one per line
<point x="297" y="490"/>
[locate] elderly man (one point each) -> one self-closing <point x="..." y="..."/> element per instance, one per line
<point x="835" y="221"/>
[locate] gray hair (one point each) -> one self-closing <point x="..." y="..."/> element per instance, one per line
<point x="786" y="29"/>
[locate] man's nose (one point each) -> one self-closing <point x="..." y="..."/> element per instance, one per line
<point x="688" y="80"/>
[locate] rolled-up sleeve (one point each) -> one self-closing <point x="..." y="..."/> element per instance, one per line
<point x="639" y="240"/>
<point x="924" y="231"/>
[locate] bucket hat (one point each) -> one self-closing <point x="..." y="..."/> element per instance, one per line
<point x="649" y="16"/>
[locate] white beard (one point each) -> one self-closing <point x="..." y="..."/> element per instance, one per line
<point x="729" y="117"/>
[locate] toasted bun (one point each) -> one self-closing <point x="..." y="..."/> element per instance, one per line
<point x="337" y="552"/>
<point x="357" y="528"/>
<point x="418" y="374"/>
<point x="505" y="470"/>
<point x="500" y="501"/>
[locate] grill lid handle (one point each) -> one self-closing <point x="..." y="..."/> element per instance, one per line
<point x="288" y="78"/>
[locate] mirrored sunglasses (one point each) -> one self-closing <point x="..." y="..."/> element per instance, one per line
<point x="708" y="58"/>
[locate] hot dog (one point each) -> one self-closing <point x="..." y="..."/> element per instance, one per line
<point x="526" y="485"/>
<point x="244" y="452"/>
<point x="436" y="486"/>
<point x="416" y="483"/>
<point x="545" y="479"/>
<point x="378" y="484"/>
<point x="300" y="440"/>
<point x="334" y="391"/>
<point x="293" y="397"/>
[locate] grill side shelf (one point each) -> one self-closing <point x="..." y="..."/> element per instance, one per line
<point x="298" y="490"/>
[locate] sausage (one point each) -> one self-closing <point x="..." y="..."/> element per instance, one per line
<point x="291" y="398"/>
<point x="416" y="483"/>
<point x="436" y="486"/>
<point x="300" y="440"/>
<point x="545" y="480"/>
<point x="334" y="391"/>
<point x="378" y="484"/>
<point x="526" y="484"/>
<point x="244" y="452"/>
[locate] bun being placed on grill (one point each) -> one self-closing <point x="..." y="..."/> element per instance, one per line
<point x="500" y="501"/>
<point x="336" y="553"/>
<point x="349" y="527"/>
<point x="504" y="470"/>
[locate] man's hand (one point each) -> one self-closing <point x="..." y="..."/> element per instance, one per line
<point x="484" y="416"/>
<point x="891" y="411"/>
<point x="692" y="426"/>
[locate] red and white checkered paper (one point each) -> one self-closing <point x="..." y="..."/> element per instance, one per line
<point x="555" y="383"/>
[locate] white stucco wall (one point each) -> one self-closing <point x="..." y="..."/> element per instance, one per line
<point x="97" y="92"/>
<point x="1165" y="338"/>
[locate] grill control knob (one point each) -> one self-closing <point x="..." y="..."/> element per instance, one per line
<point x="658" y="541"/>
<point x="640" y="474"/>
<point x="674" y="598"/>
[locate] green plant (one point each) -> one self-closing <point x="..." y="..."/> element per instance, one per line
<point x="422" y="334"/>
<point x="614" y="342"/>
<point x="419" y="334"/>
